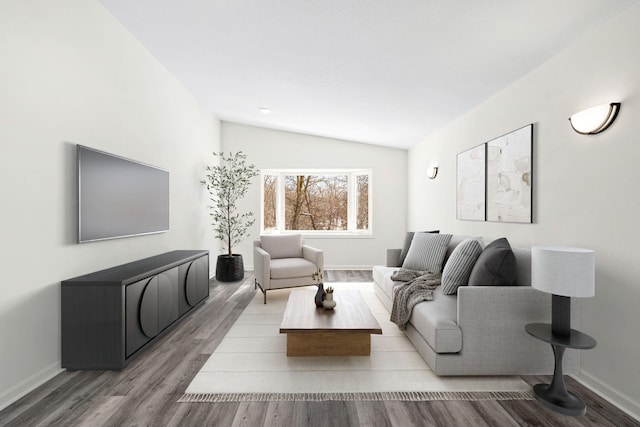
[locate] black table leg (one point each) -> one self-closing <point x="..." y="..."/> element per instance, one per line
<point x="555" y="395"/>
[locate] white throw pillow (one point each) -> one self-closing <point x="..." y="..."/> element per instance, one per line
<point x="427" y="252"/>
<point x="459" y="265"/>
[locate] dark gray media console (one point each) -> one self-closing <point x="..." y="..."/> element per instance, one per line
<point x="112" y="315"/>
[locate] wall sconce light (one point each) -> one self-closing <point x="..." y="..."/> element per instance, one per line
<point x="432" y="172"/>
<point x="596" y="119"/>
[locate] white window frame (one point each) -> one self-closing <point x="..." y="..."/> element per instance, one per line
<point x="352" y="203"/>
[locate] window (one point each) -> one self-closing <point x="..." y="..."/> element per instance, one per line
<point x="316" y="201"/>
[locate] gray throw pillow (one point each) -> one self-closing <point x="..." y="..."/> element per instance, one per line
<point x="459" y="265"/>
<point x="496" y="265"/>
<point x="407" y="243"/>
<point x="427" y="252"/>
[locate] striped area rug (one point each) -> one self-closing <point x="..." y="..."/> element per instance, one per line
<point x="417" y="396"/>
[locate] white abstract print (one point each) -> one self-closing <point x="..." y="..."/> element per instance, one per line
<point x="470" y="181"/>
<point x="509" y="177"/>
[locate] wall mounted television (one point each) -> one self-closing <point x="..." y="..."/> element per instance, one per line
<point x="119" y="197"/>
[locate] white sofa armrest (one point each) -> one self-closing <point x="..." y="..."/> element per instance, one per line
<point x="393" y="258"/>
<point x="316" y="256"/>
<point x="262" y="267"/>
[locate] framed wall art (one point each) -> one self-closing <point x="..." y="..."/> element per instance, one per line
<point x="509" y="177"/>
<point x="470" y="192"/>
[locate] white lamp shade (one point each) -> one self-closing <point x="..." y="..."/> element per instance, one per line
<point x="563" y="271"/>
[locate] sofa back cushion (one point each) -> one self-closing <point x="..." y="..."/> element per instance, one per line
<point x="283" y="246"/>
<point x="496" y="266"/>
<point x="523" y="266"/>
<point x="427" y="252"/>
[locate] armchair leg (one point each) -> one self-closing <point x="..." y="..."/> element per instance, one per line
<point x="264" y="291"/>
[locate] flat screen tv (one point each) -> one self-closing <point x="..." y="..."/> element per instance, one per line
<point x="119" y="197"/>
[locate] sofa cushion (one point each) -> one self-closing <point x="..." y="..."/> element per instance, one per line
<point x="459" y="265"/>
<point x="282" y="246"/>
<point x="382" y="276"/>
<point x="496" y="265"/>
<point x="285" y="268"/>
<point x="427" y="252"/>
<point x="436" y="321"/>
<point x="408" y="238"/>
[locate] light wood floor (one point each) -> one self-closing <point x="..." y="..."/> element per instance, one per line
<point x="145" y="393"/>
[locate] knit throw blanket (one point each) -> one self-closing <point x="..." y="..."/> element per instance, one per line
<point x="415" y="287"/>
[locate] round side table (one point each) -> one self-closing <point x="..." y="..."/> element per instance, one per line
<point x="555" y="395"/>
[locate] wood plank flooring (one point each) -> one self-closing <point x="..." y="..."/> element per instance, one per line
<point x="145" y="393"/>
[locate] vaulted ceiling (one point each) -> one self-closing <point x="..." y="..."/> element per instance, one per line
<point x="374" y="71"/>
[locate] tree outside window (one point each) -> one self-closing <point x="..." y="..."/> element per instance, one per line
<point x="325" y="201"/>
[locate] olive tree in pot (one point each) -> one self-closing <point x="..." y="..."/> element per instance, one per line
<point x="227" y="183"/>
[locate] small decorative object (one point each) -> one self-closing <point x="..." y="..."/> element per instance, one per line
<point x="328" y="302"/>
<point x="320" y="295"/>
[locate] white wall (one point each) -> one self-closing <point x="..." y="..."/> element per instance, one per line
<point x="270" y="149"/>
<point x="584" y="186"/>
<point x="70" y="74"/>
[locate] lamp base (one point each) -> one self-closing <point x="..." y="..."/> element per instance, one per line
<point x="561" y="401"/>
<point x="561" y="315"/>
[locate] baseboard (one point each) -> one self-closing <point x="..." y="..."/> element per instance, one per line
<point x="330" y="267"/>
<point x="620" y="400"/>
<point x="348" y="267"/>
<point x="34" y="381"/>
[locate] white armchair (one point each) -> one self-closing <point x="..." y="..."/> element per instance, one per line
<point x="284" y="261"/>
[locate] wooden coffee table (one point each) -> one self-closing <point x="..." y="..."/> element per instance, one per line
<point x="343" y="331"/>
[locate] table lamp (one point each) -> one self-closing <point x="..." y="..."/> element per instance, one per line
<point x="564" y="273"/>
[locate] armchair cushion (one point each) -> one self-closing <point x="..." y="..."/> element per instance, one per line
<point x="283" y="246"/>
<point x="285" y="268"/>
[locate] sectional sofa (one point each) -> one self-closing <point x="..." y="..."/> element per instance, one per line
<point x="480" y="330"/>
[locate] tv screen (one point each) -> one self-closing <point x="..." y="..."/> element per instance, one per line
<point x="119" y="197"/>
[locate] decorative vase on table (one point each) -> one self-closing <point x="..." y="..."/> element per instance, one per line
<point x="328" y="302"/>
<point x="320" y="295"/>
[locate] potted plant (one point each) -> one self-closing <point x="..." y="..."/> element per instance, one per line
<point x="227" y="183"/>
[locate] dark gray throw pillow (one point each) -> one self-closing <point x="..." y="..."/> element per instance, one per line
<point x="407" y="243"/>
<point x="496" y="265"/>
